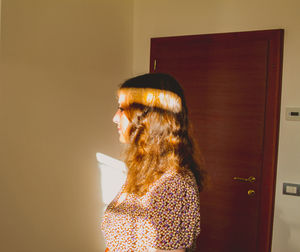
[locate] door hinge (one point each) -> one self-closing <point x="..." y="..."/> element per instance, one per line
<point x="154" y="65"/>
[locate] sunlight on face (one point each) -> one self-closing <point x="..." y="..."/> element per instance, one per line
<point x="122" y="121"/>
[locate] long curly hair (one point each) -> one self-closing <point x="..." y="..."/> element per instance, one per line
<point x="159" y="134"/>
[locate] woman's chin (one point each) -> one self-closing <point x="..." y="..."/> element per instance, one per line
<point x="122" y="139"/>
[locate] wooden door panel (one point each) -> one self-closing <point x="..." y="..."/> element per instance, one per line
<point x="225" y="79"/>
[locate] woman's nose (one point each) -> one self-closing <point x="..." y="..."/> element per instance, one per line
<point x="116" y="118"/>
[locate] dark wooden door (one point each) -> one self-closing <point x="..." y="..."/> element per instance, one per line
<point x="232" y="85"/>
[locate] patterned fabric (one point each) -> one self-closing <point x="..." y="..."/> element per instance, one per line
<point x="167" y="217"/>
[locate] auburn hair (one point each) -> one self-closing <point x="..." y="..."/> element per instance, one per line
<point x="159" y="135"/>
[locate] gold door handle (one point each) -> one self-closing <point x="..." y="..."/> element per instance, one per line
<point x="251" y="179"/>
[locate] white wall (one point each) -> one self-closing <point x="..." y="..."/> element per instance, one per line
<point x="62" y="61"/>
<point x="174" y="17"/>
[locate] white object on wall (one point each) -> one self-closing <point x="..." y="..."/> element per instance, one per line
<point x="292" y="114"/>
<point x="112" y="176"/>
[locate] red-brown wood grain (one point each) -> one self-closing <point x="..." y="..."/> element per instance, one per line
<point x="232" y="84"/>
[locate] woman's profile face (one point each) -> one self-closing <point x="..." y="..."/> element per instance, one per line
<point x="122" y="122"/>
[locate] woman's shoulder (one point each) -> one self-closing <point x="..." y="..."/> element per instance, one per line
<point x="175" y="183"/>
<point x="173" y="177"/>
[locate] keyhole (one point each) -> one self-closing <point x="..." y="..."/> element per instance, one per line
<point x="251" y="193"/>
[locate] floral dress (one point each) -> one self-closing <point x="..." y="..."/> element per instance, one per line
<point x="167" y="217"/>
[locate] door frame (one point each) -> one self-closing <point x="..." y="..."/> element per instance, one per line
<point x="272" y="120"/>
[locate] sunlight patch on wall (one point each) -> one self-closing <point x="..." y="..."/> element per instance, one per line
<point x="112" y="176"/>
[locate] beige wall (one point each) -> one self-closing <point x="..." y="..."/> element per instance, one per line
<point x="173" y="17"/>
<point x="62" y="61"/>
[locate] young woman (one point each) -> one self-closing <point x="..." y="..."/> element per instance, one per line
<point x="157" y="208"/>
